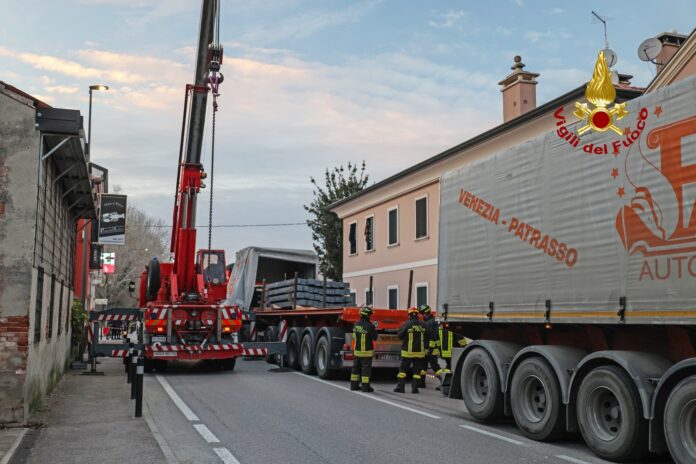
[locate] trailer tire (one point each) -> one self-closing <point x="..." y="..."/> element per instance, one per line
<point x="322" y="359"/>
<point x="536" y="400"/>
<point x="680" y="421"/>
<point x="307" y="355"/>
<point x="271" y="335"/>
<point x="293" y="351"/>
<point x="480" y="386"/>
<point x="610" y="415"/>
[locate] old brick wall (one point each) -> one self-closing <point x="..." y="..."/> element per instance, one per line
<point x="36" y="239"/>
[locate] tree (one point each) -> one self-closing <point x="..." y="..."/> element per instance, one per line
<point x="145" y="237"/>
<point x="327" y="230"/>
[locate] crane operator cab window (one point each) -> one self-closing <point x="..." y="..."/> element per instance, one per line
<point x="212" y="263"/>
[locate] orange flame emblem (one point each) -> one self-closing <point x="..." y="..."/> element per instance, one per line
<point x="601" y="93"/>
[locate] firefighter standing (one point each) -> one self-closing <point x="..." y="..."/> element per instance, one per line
<point x="364" y="335"/>
<point x="412" y="334"/>
<point x="432" y="351"/>
<point x="447" y="340"/>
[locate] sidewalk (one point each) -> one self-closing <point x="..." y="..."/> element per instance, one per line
<point x="90" y="418"/>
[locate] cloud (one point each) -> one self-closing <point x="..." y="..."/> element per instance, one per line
<point x="62" y="89"/>
<point x="308" y="23"/>
<point x="447" y="20"/>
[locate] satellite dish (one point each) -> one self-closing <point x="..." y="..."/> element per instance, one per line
<point x="610" y="57"/>
<point x="649" y="49"/>
<point x="614" y="77"/>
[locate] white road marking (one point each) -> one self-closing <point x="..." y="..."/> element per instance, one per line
<point x="206" y="433"/>
<point x="13" y="448"/>
<point x="186" y="411"/>
<point x="491" y="434"/>
<point x="376" y="398"/>
<point x="226" y="456"/>
<point x="572" y="459"/>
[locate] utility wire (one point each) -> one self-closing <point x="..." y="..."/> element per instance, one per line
<point x="283" y="224"/>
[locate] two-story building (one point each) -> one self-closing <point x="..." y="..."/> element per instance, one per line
<point x="391" y="228"/>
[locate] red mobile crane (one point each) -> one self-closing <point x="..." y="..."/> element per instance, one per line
<point x="183" y="301"/>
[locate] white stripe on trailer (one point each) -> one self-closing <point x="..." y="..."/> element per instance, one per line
<point x="283" y="330"/>
<point x="252" y="330"/>
<point x="119" y="353"/>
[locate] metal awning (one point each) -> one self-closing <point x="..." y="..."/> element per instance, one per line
<point x="62" y="143"/>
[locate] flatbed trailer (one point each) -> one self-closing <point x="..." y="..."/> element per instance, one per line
<point x="320" y="340"/>
<point x="570" y="260"/>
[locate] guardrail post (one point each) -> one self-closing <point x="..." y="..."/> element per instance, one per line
<point x="128" y="363"/>
<point x="126" y="359"/>
<point x="133" y="369"/>
<point x="139" y="374"/>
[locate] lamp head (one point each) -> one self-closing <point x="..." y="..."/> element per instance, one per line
<point x="98" y="87"/>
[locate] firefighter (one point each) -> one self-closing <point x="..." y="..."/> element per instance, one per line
<point x="412" y="334"/>
<point x="364" y="335"/>
<point x="433" y="343"/>
<point x="447" y="340"/>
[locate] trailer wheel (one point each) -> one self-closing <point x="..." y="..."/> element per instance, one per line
<point x="536" y="400"/>
<point x="293" y="352"/>
<point x="228" y="363"/>
<point x="680" y="421"/>
<point x="480" y="385"/>
<point x="271" y="335"/>
<point x="322" y="359"/>
<point x="306" y="355"/>
<point x="609" y="415"/>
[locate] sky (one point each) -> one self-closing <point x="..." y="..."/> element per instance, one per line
<point x="309" y="85"/>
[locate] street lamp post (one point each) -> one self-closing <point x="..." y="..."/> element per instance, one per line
<point x="84" y="232"/>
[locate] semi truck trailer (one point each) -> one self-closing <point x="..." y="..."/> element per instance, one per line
<point x="571" y="261"/>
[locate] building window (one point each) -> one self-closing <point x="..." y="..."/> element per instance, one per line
<point x="369" y="296"/>
<point x="421" y="294"/>
<point x="393" y="221"/>
<point x="38" y="305"/>
<point x="421" y="217"/>
<point x="60" y="309"/>
<point x="51" y="306"/>
<point x="369" y="233"/>
<point x="352" y="238"/>
<point x="353" y="298"/>
<point x="393" y="294"/>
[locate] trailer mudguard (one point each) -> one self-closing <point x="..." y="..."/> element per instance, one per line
<point x="669" y="380"/>
<point x="562" y="359"/>
<point x="502" y="354"/>
<point x="645" y="369"/>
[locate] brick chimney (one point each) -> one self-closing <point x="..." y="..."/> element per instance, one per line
<point x="519" y="91"/>
<point x="671" y="41"/>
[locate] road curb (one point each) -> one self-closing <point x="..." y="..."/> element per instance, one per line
<point x="13" y="449"/>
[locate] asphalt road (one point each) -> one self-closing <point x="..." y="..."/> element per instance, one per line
<point x="254" y="415"/>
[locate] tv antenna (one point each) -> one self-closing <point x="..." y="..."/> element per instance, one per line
<point x="609" y="54"/>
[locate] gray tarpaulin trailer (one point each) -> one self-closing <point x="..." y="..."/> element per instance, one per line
<point x="255" y="264"/>
<point x="571" y="261"/>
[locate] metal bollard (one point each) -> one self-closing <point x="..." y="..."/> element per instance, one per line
<point x="133" y="369"/>
<point x="126" y="360"/>
<point x="129" y="367"/>
<point x="139" y="374"/>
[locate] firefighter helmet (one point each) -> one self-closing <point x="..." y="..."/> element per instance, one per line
<point x="366" y="311"/>
<point x="413" y="311"/>
<point x="424" y="309"/>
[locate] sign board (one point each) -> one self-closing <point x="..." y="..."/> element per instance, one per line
<point x="101" y="301"/>
<point x="95" y="256"/>
<point x="108" y="262"/>
<point x="112" y="219"/>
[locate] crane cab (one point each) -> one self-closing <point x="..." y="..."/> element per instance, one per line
<point x="211" y="275"/>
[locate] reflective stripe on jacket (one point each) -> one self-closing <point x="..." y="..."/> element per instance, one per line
<point x="412" y="334"/>
<point x="431" y="328"/>
<point x="364" y="336"/>
<point x="447" y="339"/>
